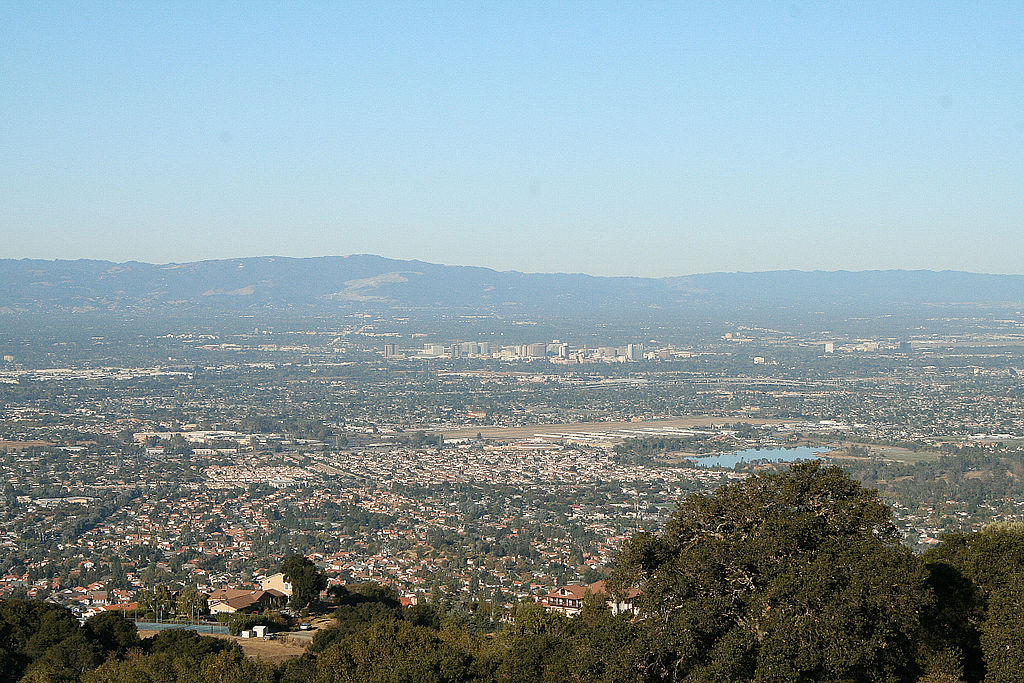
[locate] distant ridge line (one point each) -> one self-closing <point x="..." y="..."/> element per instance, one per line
<point x="328" y="283"/>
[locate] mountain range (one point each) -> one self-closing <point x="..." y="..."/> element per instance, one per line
<point x="373" y="282"/>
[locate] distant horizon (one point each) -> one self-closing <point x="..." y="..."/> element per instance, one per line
<point x="615" y="140"/>
<point x="516" y="270"/>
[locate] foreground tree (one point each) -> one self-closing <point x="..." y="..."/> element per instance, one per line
<point x="112" y="632"/>
<point x="784" y="577"/>
<point x="978" y="580"/>
<point x="539" y="645"/>
<point x="33" y="632"/>
<point x="393" y="652"/>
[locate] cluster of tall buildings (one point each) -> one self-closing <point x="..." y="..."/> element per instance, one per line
<point x="555" y="351"/>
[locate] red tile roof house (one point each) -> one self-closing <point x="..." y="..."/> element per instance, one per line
<point x="231" y="600"/>
<point x="569" y="599"/>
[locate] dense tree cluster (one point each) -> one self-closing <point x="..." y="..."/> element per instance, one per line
<point x="786" y="576"/>
<point x="794" y="576"/>
<point x="44" y="642"/>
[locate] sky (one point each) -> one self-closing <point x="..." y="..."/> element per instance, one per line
<point x="657" y="139"/>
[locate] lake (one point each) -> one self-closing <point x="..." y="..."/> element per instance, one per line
<point x="766" y="454"/>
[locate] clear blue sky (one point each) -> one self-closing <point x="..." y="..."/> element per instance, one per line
<point x="669" y="138"/>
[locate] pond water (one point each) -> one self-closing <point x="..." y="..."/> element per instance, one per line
<point x="766" y="454"/>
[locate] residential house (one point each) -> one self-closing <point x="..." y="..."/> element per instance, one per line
<point x="568" y="600"/>
<point x="234" y="600"/>
<point x="275" y="582"/>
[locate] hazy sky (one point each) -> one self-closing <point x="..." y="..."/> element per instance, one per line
<point x="666" y="139"/>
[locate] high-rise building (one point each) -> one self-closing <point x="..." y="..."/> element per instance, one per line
<point x="390" y="350"/>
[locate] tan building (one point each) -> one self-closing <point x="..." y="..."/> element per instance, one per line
<point x="275" y="582"/>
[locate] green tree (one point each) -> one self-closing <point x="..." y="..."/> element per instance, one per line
<point x="112" y="632"/>
<point x="66" y="661"/>
<point x="231" y="666"/>
<point x="604" y="646"/>
<point x="301" y="670"/>
<point x="118" y="671"/>
<point x="977" y="579"/>
<point x="786" y="577"/>
<point x="393" y="652"/>
<point x="192" y="603"/>
<point x="307" y="581"/>
<point x="154" y="575"/>
<point x="534" y="646"/>
<point x="1002" y="633"/>
<point x="29" y="629"/>
<point x="159" y="602"/>
<point x="184" y="644"/>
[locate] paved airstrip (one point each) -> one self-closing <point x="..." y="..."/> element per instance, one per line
<point x="606" y="432"/>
